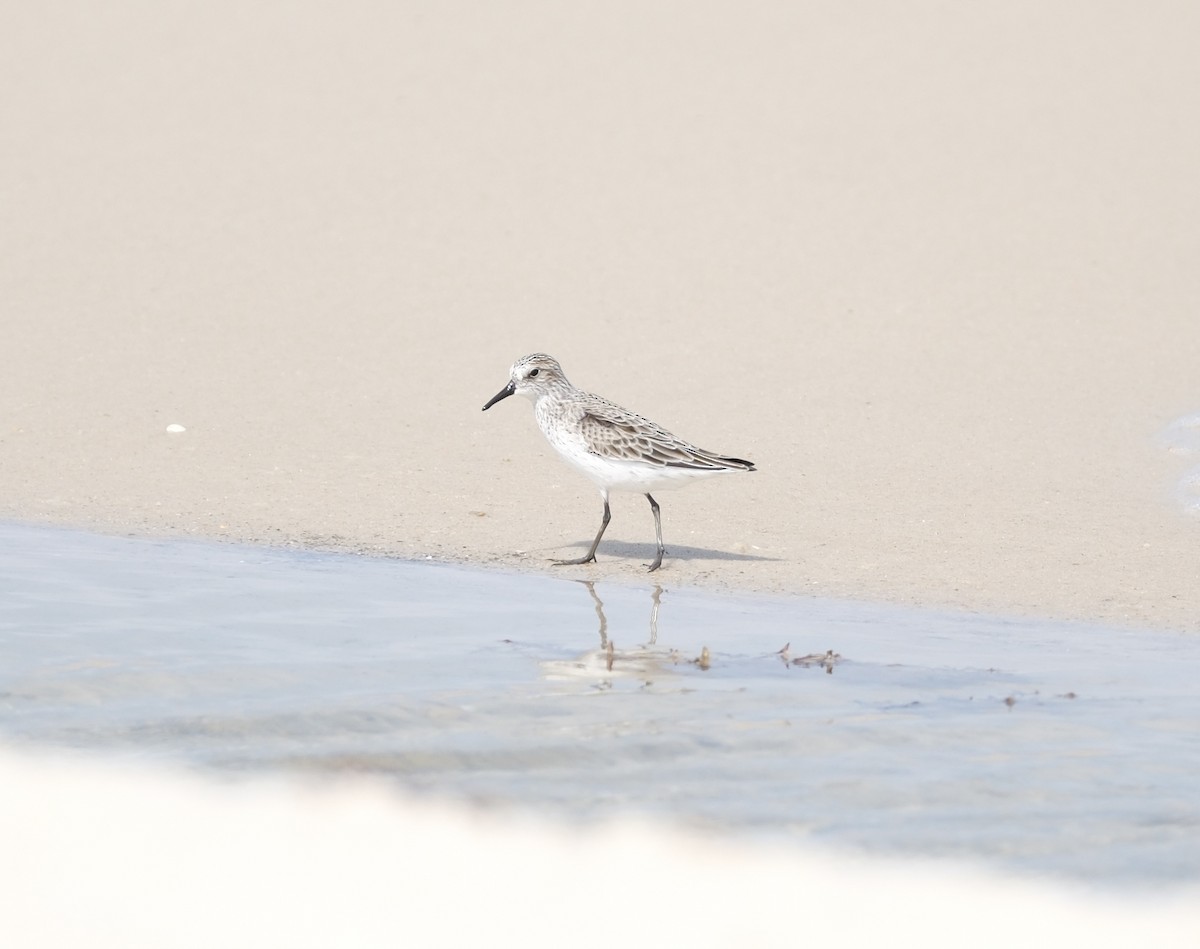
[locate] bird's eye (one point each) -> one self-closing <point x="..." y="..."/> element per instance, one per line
<point x="533" y="372"/>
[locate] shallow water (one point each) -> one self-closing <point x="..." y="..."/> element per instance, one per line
<point x="1057" y="748"/>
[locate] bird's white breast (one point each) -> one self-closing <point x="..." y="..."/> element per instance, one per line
<point x="560" y="423"/>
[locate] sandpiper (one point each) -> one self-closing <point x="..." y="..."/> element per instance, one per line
<point x="617" y="450"/>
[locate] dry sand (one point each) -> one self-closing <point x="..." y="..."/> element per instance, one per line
<point x="934" y="270"/>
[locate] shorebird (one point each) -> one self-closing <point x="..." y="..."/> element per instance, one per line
<point x="616" y="449"/>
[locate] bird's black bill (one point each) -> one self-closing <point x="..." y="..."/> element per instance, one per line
<point x="502" y="394"/>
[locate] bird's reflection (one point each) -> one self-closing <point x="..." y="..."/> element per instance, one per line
<point x="598" y="604"/>
<point x="645" y="661"/>
<point x="648" y="661"/>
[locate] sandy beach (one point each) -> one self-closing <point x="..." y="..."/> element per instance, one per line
<point x="933" y="271"/>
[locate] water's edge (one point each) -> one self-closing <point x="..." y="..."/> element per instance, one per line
<point x="1047" y="747"/>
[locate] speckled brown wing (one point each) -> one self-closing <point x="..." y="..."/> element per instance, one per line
<point x="612" y="432"/>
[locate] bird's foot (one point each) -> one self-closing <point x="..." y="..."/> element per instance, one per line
<point x="578" y="561"/>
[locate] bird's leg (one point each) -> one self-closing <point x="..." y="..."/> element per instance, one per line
<point x="657" y="534"/>
<point x="591" y="554"/>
